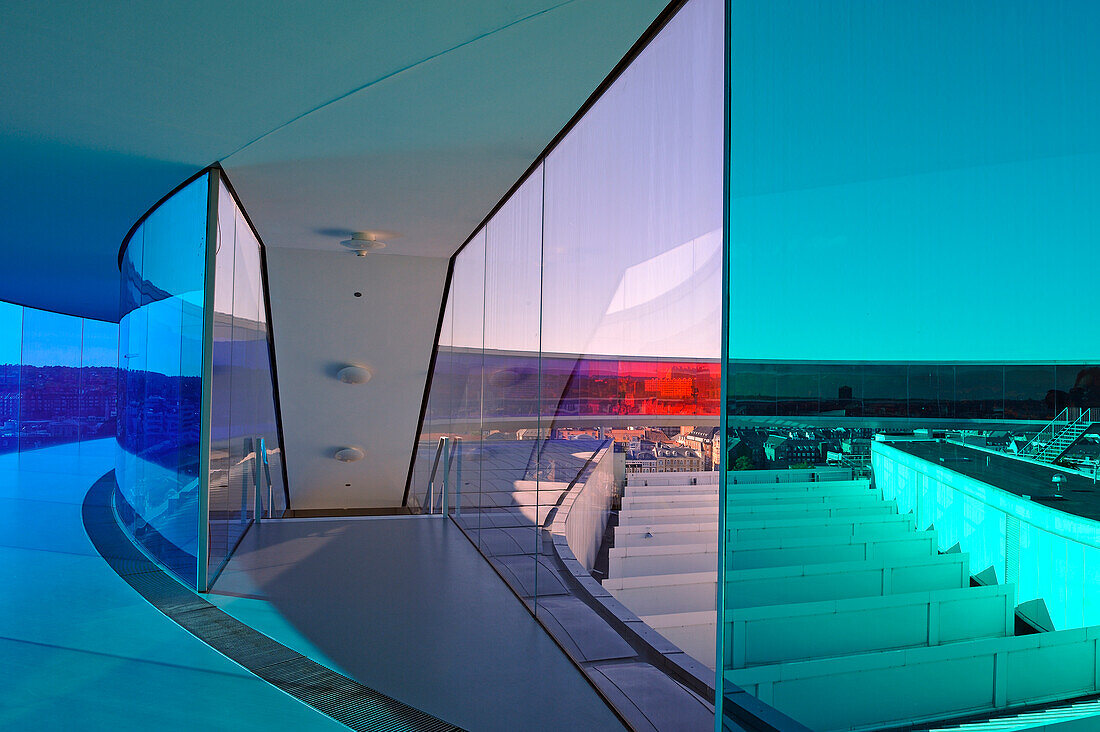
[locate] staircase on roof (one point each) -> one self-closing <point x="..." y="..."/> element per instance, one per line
<point x="1058" y="436"/>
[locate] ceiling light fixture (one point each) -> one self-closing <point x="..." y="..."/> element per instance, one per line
<point x="354" y="374"/>
<point x="364" y="242"/>
<point x="349" y="454"/>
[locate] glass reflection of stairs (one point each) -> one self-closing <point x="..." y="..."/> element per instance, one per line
<point x="839" y="612"/>
<point x="1035" y="719"/>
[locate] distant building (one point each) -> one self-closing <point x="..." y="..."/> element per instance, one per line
<point x="701" y="440"/>
<point x="856" y="446"/>
<point x="652" y="458"/>
<point x="627" y="435"/>
<point x="782" y="450"/>
<point x="576" y="433"/>
<point x="641" y="461"/>
<point x="751" y="444"/>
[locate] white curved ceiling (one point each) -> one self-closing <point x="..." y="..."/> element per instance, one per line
<point x="328" y="116"/>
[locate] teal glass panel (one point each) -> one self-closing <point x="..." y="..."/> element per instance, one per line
<point x="160" y="389"/>
<point x="910" y="241"/>
<point x="918" y="171"/>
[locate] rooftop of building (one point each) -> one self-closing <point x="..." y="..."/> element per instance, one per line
<point x="1080" y="496"/>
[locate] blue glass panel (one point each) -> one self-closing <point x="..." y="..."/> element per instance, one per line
<point x="160" y="391"/>
<point x="98" y="380"/>
<point x="50" y="380"/>
<point x="11" y="346"/>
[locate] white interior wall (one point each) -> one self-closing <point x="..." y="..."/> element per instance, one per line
<point x="320" y="326"/>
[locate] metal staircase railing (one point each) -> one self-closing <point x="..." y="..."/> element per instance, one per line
<point x="1046" y="434"/>
<point x="1057" y="437"/>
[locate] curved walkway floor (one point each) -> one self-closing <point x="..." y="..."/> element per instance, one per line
<point x="80" y="649"/>
<point x="327" y="691"/>
<point x="406" y="605"/>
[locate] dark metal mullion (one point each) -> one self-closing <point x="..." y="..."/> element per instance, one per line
<point x="202" y="559"/>
<point x="430" y="376"/>
<point x="723" y="397"/>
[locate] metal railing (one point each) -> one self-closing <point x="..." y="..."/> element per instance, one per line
<point x="261" y="461"/>
<point x="1053" y="435"/>
<point x="1039" y="441"/>
<point x="449" y="452"/>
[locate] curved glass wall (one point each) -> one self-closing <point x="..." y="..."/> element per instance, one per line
<point x="911" y="241"/>
<point x="198" y="432"/>
<point x="161" y="352"/>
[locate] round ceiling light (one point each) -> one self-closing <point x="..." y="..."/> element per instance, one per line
<point x="349" y="454"/>
<point x="354" y="374"/>
<point x="365" y="242"/>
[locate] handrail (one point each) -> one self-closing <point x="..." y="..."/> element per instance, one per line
<point x="457" y="458"/>
<point x="1037" y="447"/>
<point x="267" y="475"/>
<point x="428" y="498"/>
<point x="448" y="456"/>
<point x="259" y="448"/>
<point x="429" y="493"/>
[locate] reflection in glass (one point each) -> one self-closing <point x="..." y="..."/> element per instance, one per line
<point x="58" y="381"/>
<point x="589" y="301"/>
<point x="911" y="197"/>
<point x="11" y="359"/>
<point x="160" y="391"/>
<point x="245" y="445"/>
<point x="49" y="383"/>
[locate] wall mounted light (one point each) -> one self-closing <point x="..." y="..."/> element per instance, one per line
<point x="349" y="454"/>
<point x="354" y="374"/>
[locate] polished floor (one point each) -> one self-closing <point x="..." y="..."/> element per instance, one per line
<point x="406" y="605"/>
<point x="79" y="648"/>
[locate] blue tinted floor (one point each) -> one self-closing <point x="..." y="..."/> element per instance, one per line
<point x="79" y="648"/>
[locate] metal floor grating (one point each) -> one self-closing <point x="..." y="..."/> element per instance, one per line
<point x="332" y="694"/>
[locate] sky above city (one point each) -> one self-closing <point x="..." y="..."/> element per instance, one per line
<point x="914" y="180"/>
